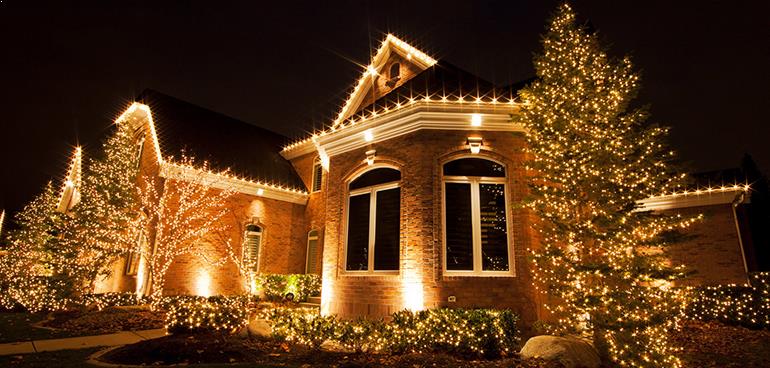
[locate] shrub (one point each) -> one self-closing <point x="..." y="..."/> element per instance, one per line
<point x="303" y="325"/>
<point x="747" y="306"/>
<point x="201" y="314"/>
<point x="471" y="332"/>
<point x="301" y="286"/>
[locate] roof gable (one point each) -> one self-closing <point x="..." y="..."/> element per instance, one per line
<point x="376" y="80"/>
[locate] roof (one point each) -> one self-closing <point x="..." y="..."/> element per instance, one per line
<point x="224" y="142"/>
<point x="444" y="79"/>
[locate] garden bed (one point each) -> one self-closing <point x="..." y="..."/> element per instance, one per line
<point x="714" y="344"/>
<point x="217" y="349"/>
<point x="108" y="320"/>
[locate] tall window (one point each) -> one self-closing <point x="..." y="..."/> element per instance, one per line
<point x="139" y="149"/>
<point x="374" y="214"/>
<point x="318" y="172"/>
<point x="312" y="251"/>
<point x="253" y="240"/>
<point x="475" y="221"/>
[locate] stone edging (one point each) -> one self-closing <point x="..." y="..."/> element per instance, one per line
<point x="93" y="359"/>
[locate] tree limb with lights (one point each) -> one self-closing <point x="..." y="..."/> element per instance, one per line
<point x="182" y="216"/>
<point x="593" y="157"/>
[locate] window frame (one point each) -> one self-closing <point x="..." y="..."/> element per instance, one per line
<point x="317" y="169"/>
<point x="317" y="238"/>
<point x="246" y="232"/>
<point x="134" y="258"/>
<point x="475" y="182"/>
<point x="372" y="191"/>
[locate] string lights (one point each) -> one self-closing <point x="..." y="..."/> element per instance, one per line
<point x="593" y="161"/>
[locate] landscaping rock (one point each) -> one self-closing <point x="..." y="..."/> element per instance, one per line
<point x="334" y="346"/>
<point x="256" y="328"/>
<point x="569" y="351"/>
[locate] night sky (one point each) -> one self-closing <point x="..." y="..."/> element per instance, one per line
<point x="67" y="69"/>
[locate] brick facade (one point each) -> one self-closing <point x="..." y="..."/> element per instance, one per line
<point x="419" y="157"/>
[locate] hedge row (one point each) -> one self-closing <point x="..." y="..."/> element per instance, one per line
<point x="296" y="287"/>
<point x="201" y="314"/>
<point x="747" y="306"/>
<point x="469" y="332"/>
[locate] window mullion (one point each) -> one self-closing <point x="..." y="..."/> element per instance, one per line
<point x="372" y="224"/>
<point x="476" y="225"/>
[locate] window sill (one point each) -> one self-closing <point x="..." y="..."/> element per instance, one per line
<point x="384" y="274"/>
<point x="448" y="275"/>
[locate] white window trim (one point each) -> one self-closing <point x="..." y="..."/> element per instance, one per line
<point x="315" y="237"/>
<point x="372" y="190"/>
<point x="316" y="164"/>
<point x="474" y="181"/>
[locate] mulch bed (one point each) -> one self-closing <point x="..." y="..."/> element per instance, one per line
<point x="215" y="348"/>
<point x="713" y="344"/>
<point x="108" y="320"/>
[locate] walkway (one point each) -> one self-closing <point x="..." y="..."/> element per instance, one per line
<point x="82" y="342"/>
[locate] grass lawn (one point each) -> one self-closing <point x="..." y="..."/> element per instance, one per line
<point x="17" y="326"/>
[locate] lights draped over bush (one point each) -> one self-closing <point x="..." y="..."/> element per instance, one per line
<point x="747" y="306"/>
<point x="275" y="287"/>
<point x="200" y="314"/>
<point x="471" y="332"/>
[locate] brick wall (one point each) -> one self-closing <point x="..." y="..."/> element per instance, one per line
<point x="315" y="211"/>
<point x="714" y="251"/>
<point x="418" y="155"/>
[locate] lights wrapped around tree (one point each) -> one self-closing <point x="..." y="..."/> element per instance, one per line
<point x="593" y="159"/>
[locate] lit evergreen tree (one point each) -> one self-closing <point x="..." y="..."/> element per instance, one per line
<point x="27" y="270"/>
<point x="594" y="157"/>
<point x="105" y="220"/>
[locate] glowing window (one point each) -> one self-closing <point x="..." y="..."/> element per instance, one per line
<point x="317" y="176"/>
<point x="475" y="218"/>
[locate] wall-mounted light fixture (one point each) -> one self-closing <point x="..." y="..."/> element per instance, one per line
<point x="475" y="144"/>
<point x="260" y="191"/>
<point x="475" y="120"/>
<point x="368" y="135"/>
<point x="370" y="154"/>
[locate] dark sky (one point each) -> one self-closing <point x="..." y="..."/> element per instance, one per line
<point x="68" y="68"/>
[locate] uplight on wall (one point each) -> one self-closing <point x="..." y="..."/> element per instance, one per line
<point x="476" y="120"/>
<point x="475" y="144"/>
<point x="370" y="154"/>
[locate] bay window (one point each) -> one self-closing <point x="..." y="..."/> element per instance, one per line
<point x="475" y="218"/>
<point x="373" y="224"/>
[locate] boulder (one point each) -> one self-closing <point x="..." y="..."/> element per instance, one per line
<point x="334" y="346"/>
<point x="256" y="328"/>
<point x="569" y="351"/>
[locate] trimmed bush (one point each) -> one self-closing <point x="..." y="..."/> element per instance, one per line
<point x="468" y="332"/>
<point x="747" y="306"/>
<point x="101" y="301"/>
<point x="201" y="314"/>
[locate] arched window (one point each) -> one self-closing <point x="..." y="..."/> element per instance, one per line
<point x="475" y="218"/>
<point x="251" y="245"/>
<point x="395" y="71"/>
<point x="318" y="173"/>
<point x="374" y="219"/>
<point x="311" y="259"/>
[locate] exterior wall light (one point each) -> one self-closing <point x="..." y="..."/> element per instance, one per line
<point x="370" y="154"/>
<point x="260" y="191"/>
<point x="475" y="144"/>
<point x="368" y="135"/>
<point x="476" y="120"/>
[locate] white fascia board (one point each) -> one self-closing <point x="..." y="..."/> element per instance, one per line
<point x="220" y="182"/>
<point x="418" y="117"/>
<point x="693" y="199"/>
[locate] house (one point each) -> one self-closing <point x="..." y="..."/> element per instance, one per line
<point x="406" y="200"/>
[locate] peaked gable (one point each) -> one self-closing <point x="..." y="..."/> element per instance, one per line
<point x="379" y="78"/>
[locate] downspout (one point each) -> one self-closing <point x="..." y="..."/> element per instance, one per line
<point x="740" y="199"/>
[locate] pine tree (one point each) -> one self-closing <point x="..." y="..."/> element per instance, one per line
<point x="594" y="157"/>
<point x="105" y="220"/>
<point x="28" y="274"/>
